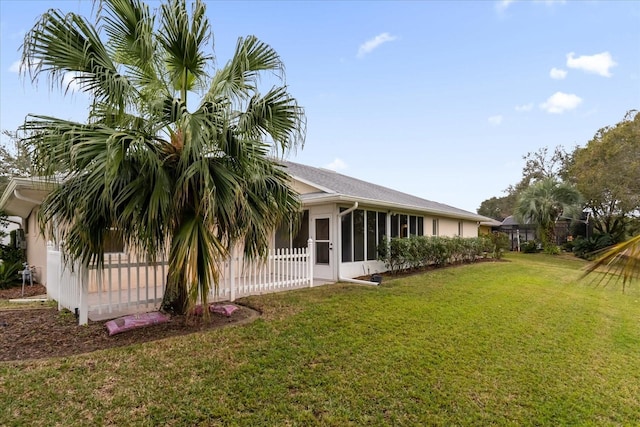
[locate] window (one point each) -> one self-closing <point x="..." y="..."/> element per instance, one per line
<point x="300" y="238"/>
<point x="372" y="241"/>
<point x="358" y="235"/>
<point x="436" y="227"/>
<point x="406" y="225"/>
<point x="404" y="229"/>
<point x="113" y="242"/>
<point x="287" y="238"/>
<point x="460" y="228"/>
<point x="347" y="238"/>
<point x="382" y="226"/>
<point x="362" y="232"/>
<point x="395" y="225"/>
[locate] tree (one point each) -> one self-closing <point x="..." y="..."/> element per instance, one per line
<point x="193" y="184"/>
<point x="538" y="165"/>
<point x="607" y="173"/>
<point x="497" y="208"/>
<point x="543" y="203"/>
<point x="15" y="159"/>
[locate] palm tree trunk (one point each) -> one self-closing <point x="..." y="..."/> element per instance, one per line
<point x="175" y="299"/>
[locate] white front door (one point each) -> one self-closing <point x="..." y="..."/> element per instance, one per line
<point x="322" y="247"/>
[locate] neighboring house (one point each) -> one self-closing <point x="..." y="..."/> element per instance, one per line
<point x="22" y="198"/>
<point x="519" y="234"/>
<point x="488" y="226"/>
<point x="346" y="218"/>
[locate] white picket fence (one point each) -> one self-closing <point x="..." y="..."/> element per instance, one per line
<point x="129" y="284"/>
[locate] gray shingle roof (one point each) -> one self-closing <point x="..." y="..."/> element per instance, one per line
<point x="351" y="187"/>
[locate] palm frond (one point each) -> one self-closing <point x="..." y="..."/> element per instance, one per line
<point x="276" y="115"/>
<point x="183" y="38"/>
<point x="59" y="45"/>
<point x="238" y="79"/>
<point x="619" y="261"/>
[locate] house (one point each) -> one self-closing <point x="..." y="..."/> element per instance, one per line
<point x="346" y="218"/>
<point x="343" y="219"/>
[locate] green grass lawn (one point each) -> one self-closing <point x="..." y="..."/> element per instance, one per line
<point x="511" y="343"/>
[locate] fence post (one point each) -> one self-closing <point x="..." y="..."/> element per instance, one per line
<point x="83" y="277"/>
<point x="232" y="282"/>
<point x="310" y="260"/>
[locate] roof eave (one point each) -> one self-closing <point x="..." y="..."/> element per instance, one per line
<point x="341" y="198"/>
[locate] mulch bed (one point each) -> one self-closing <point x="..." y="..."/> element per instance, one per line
<point x="16" y="291"/>
<point x="43" y="333"/>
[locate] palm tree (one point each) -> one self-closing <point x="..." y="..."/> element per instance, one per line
<point x="621" y="260"/>
<point x="543" y="202"/>
<point x="193" y="184"/>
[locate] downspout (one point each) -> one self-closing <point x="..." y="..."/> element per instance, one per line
<point x="347" y="279"/>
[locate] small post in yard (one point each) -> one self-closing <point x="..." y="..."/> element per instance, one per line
<point x="83" y="274"/>
<point x="310" y="260"/>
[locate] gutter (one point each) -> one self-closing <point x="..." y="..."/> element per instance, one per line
<point x="347" y="279"/>
<point x="25" y="198"/>
<point x="342" y="198"/>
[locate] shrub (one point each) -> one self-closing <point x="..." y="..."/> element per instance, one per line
<point x="421" y="251"/>
<point x="9" y="273"/>
<point x="496" y="243"/>
<point x="395" y="253"/>
<point x="9" y="253"/>
<point x="586" y="248"/>
<point x="530" y="247"/>
<point x="552" y="250"/>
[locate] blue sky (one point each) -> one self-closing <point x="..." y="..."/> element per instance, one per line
<point x="437" y="99"/>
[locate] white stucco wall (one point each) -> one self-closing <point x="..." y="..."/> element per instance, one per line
<point x="36" y="247"/>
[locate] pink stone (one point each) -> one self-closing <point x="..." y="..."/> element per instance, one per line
<point x="135" y="321"/>
<point x="226" y="310"/>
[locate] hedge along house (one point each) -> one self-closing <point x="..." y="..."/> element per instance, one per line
<point x="347" y="219"/>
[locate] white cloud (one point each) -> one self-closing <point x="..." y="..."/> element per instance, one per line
<point x="18" y="66"/>
<point x="557" y="73"/>
<point x="495" y="120"/>
<point x="524" y="107"/>
<point x="15" y="67"/>
<point x="69" y="82"/>
<point x="502" y="5"/>
<point x="373" y="43"/>
<point x="600" y="63"/>
<point x="560" y="102"/>
<point x="336" y="165"/>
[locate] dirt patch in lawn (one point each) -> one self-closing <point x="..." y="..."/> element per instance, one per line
<point x="43" y="333"/>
